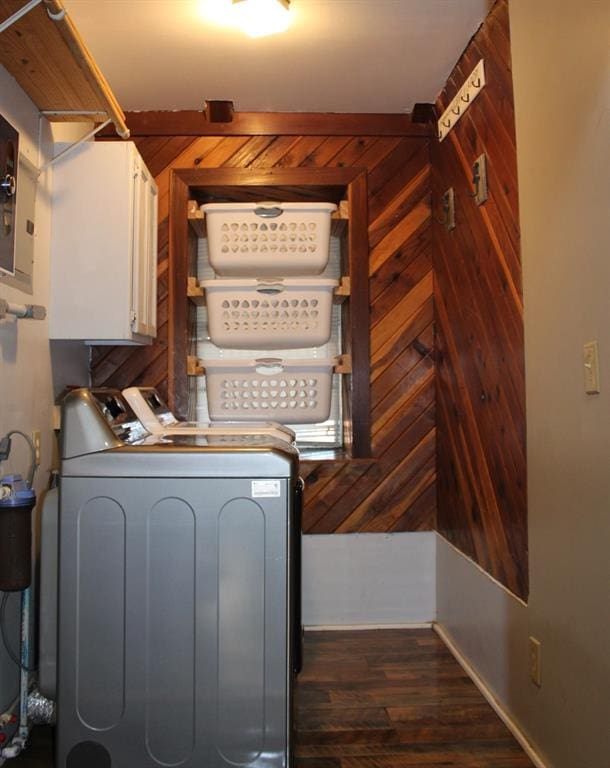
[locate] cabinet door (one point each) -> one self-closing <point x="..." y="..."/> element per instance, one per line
<point x="144" y="258"/>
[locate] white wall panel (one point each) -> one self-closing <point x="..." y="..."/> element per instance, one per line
<point x="369" y="579"/>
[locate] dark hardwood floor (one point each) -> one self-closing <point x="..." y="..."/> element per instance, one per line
<point x="394" y="698"/>
<point x="379" y="699"/>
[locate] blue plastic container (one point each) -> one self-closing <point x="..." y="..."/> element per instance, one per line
<point x="16" y="507"/>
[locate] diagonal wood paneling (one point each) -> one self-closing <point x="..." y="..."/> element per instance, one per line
<point x="395" y="489"/>
<point x="479" y="324"/>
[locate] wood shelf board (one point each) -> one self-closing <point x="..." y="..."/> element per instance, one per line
<point x="51" y="63"/>
<point x="196" y="218"/>
<point x="342" y="291"/>
<point x="339" y="220"/>
<point x="343" y="365"/>
<point x="194" y="367"/>
<point x="311" y="458"/>
<point x="195" y="294"/>
<point x="342" y="211"/>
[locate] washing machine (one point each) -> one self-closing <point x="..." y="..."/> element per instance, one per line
<point x="175" y="594"/>
<point x="156" y="416"/>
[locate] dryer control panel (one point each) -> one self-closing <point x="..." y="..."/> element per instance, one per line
<point x="119" y="415"/>
<point x="97" y="420"/>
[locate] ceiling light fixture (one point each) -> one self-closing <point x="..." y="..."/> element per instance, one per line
<point x="258" y="18"/>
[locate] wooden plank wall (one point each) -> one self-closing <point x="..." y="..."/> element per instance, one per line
<point x="479" y="314"/>
<point x="395" y="490"/>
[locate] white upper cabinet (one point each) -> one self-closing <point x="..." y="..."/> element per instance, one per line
<point x="103" y="246"/>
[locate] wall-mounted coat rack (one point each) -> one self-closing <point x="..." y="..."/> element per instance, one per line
<point x="462" y="100"/>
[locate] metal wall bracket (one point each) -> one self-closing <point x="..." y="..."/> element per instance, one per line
<point x="479" y="179"/>
<point x="448" y="205"/>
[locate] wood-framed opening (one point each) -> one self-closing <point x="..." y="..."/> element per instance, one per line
<point x="286" y="185"/>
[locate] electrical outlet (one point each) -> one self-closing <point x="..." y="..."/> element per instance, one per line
<point x="535" y="652"/>
<point x="36" y="441"/>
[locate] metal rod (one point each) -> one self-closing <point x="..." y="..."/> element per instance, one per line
<point x="25" y="664"/>
<point x="19" y="14"/>
<point x="72" y="112"/>
<point x="30" y="311"/>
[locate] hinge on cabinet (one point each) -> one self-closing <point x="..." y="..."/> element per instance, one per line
<point x="132" y="316"/>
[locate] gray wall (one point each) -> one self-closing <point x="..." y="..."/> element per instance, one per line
<point x="561" y="71"/>
<point x="28" y="376"/>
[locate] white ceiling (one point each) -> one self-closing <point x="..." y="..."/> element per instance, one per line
<point x="337" y="55"/>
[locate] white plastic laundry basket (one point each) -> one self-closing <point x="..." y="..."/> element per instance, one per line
<point x="288" y="391"/>
<point x="268" y="239"/>
<point x="269" y="314"/>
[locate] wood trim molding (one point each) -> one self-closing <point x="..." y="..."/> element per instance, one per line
<point x="178" y="308"/>
<point x="194" y="123"/>
<point x="198" y="179"/>
<point x="358" y="250"/>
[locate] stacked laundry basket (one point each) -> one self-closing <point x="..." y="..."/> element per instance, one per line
<point x="266" y="295"/>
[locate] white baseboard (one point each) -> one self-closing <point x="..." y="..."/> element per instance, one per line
<point x="489" y="696"/>
<point x="360" y="627"/>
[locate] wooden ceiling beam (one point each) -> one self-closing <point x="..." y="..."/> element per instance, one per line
<point x="194" y="123"/>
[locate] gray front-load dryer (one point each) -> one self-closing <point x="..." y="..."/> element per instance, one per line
<point x="174" y="598"/>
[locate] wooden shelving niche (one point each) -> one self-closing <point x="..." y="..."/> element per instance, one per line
<point x="347" y="188"/>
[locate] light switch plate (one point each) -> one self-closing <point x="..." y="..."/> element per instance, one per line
<point x="591" y="367"/>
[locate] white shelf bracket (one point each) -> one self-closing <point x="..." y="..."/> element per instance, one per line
<point x="76" y="144"/>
